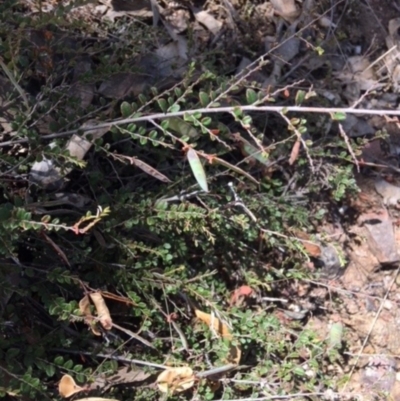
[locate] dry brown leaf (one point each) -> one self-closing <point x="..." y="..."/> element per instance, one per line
<point x="223" y="331"/>
<point x="175" y="380"/>
<point x="103" y="313"/>
<point x="118" y="298"/>
<point x="68" y="387"/>
<point x="286" y="9"/>
<point x="295" y="153"/>
<point x="240" y="293"/>
<point x="124" y="375"/>
<point x="149" y="170"/>
<point x="235" y="353"/>
<point x="84" y="307"/>
<point x="215" y="324"/>
<point x="313" y="249"/>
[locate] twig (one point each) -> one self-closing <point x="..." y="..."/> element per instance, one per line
<point x="162" y="116"/>
<point x="110" y="356"/>
<point x="133" y="335"/>
<point x="299" y="138"/>
<point x="349" y="148"/>
<point x="277" y="397"/>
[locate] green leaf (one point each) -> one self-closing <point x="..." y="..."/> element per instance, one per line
<point x="182" y="128"/>
<point x="247" y="120"/>
<point x="142" y="99"/>
<point x="68" y="365"/>
<point x="59" y="360"/>
<point x="300" y="95"/>
<point x="78" y="368"/>
<point x="255" y="153"/>
<point x="206" y="121"/>
<point x="165" y="123"/>
<point x="197" y="169"/>
<point x="335" y="335"/>
<point x="12" y="353"/>
<point x="237" y="111"/>
<point x="174" y="108"/>
<point x="338" y="116"/>
<point x="126" y="109"/>
<point x="251" y="96"/>
<point x="204" y="99"/>
<point x="50" y="370"/>
<point x="162" y="103"/>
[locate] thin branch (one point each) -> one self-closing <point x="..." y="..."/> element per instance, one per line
<point x="349" y="148"/>
<point x="163" y="116"/>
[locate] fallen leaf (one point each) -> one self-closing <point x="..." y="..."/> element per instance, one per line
<point x="215" y="324"/>
<point x="68" y="387"/>
<point x="90" y="320"/>
<point x="241" y="292"/>
<point x="313" y="249"/>
<point x="295" y="153"/>
<point x="175" y="380"/>
<point x="206" y="19"/>
<point x="286" y="9"/>
<point x="149" y="170"/>
<point x="222" y="330"/>
<point x="125" y="375"/>
<point x="103" y="313"/>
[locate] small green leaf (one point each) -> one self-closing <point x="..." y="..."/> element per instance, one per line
<point x="300" y="95"/>
<point x="59" y="360"/>
<point x="247" y="120"/>
<point x="12" y="353"/>
<point x="197" y="169"/>
<point x="162" y="103"/>
<point x="335" y="335"/>
<point x="182" y="128"/>
<point x="78" y="368"/>
<point x="206" y="121"/>
<point x="204" y="99"/>
<point x="174" y="108"/>
<point x="251" y="96"/>
<point x="338" y="116"/>
<point x="50" y="370"/>
<point x="237" y="111"/>
<point x="131" y="128"/>
<point x="69" y="364"/>
<point x="142" y="98"/>
<point x="126" y="109"/>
